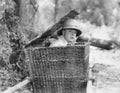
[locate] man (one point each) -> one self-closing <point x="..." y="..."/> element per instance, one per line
<point x="68" y="35"/>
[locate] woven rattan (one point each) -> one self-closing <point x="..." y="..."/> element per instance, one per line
<point x="59" y="69"/>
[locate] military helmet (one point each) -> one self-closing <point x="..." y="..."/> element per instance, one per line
<point x="71" y="24"/>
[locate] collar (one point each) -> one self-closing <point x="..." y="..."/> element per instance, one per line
<point x="63" y="40"/>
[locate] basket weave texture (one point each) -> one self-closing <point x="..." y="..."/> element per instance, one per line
<point x="59" y="69"/>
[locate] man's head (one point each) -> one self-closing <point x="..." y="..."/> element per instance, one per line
<point x="71" y="30"/>
<point x="69" y="35"/>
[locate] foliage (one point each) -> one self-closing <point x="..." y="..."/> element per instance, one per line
<point x="8" y="79"/>
<point x="15" y="39"/>
<point x="4" y="44"/>
<point x="13" y="36"/>
<point x="12" y="41"/>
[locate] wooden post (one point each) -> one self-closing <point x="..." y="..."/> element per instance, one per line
<point x="18" y="86"/>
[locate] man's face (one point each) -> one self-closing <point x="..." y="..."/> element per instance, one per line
<point x="70" y="35"/>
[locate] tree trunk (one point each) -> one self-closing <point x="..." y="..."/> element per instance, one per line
<point x="104" y="44"/>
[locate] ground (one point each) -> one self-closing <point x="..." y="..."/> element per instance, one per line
<point x="106" y="70"/>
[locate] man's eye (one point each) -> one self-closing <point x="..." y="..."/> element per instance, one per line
<point x="70" y="31"/>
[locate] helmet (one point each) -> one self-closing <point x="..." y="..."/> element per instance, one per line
<point x="71" y="24"/>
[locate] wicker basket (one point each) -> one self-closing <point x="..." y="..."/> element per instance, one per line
<point x="59" y="69"/>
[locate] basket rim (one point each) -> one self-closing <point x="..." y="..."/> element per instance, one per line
<point x="82" y="44"/>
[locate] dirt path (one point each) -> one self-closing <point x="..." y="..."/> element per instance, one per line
<point x="106" y="70"/>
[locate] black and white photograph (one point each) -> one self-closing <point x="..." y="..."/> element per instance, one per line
<point x="59" y="46"/>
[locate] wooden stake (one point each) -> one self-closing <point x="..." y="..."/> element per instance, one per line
<point x="18" y="86"/>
